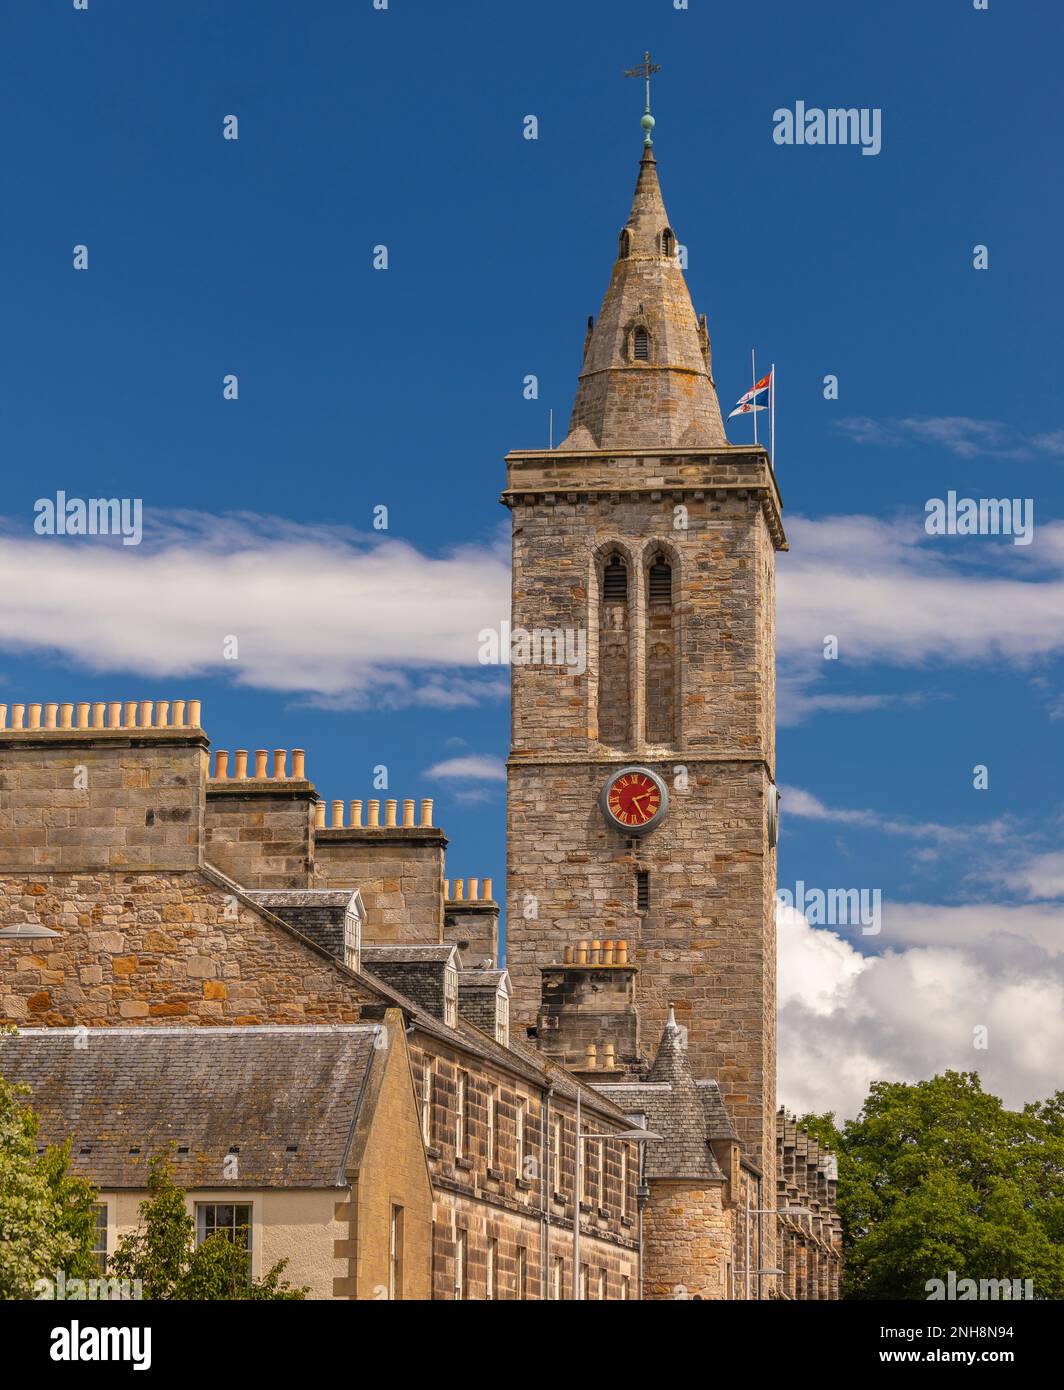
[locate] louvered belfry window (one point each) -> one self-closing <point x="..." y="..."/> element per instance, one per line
<point x="641" y="345"/>
<point x="614" y="714"/>
<point x="660" y="698"/>
<point x="660" y="582"/>
<point x="615" y="581"/>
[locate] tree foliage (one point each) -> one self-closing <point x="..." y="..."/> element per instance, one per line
<point x="938" y="1176"/>
<point x="46" y="1214"/>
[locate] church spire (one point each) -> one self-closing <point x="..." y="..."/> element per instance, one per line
<point x="647" y="378"/>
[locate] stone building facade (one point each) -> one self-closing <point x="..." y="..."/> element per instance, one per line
<point x="112" y="916"/>
<point x="648" y="532"/>
<point x="306" y="1137"/>
<point x="145" y="884"/>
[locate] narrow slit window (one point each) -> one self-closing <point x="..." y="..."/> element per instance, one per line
<point x="641" y="345"/>
<point x="642" y="890"/>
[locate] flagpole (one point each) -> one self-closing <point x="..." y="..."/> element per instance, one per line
<point x="753" y="383"/>
<point x="772" y="417"/>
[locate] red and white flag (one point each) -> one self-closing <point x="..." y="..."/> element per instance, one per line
<point x="748" y="403"/>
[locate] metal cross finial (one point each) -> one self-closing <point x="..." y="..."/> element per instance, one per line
<point x="645" y="70"/>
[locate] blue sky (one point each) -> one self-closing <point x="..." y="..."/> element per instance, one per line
<point x="403" y="388"/>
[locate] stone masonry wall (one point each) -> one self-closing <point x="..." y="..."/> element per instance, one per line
<point x="687" y="1235"/>
<point x="158" y="948"/>
<point x="101" y="799"/>
<point x="474" y="929"/>
<point x="400" y="874"/>
<point x="707" y="941"/>
<point x="492" y="1195"/>
<point x="260" y="836"/>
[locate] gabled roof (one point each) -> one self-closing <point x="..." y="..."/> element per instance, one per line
<point x="284" y="1100"/>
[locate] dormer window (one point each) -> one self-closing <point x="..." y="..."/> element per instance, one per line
<point x="624" y="248"/>
<point x="450" y="997"/>
<point x="641" y="345"/>
<point x="502" y="1019"/>
<point x="668" y="242"/>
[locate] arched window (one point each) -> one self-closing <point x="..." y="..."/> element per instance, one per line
<point x="660" y="653"/>
<point x="615" y="580"/>
<point x="624" y="249"/>
<point x="641" y="345"/>
<point x="614" y="716"/>
<point x="668" y="242"/>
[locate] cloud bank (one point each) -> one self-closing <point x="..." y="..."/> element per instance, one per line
<point x="846" y="1019"/>
<point x="324" y="612"/>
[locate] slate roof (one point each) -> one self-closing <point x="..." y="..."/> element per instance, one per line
<point x="719" y="1123"/>
<point x="483" y="979"/>
<point x="518" y="1058"/>
<point x="261" y="1089"/>
<point x="687" y="1113"/>
<point x="402" y="952"/>
<point x="274" y="898"/>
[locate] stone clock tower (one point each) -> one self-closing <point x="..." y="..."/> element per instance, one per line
<point x="641" y="797"/>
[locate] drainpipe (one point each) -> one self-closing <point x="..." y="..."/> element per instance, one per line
<point x="640" y="1202"/>
<point x="545" y="1187"/>
<point x="578" y="1179"/>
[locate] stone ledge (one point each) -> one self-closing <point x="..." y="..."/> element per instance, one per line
<point x="375" y="835"/>
<point x="248" y="787"/>
<point x="536" y="759"/>
<point x="186" y="737"/>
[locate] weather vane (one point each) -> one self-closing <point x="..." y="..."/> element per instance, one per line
<point x="645" y="70"/>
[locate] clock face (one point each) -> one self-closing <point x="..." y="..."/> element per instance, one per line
<point x="634" y="800"/>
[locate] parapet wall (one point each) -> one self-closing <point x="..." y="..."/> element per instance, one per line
<point x="397" y="866"/>
<point x="471" y="920"/>
<point x="102" y="786"/>
<point x="260" y="828"/>
<point x="809" y="1230"/>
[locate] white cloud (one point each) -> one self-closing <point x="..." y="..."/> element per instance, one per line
<point x="346" y="619"/>
<point x="319" y="611"/>
<point x="960" y="434"/>
<point x="1040" y="876"/>
<point x="846" y="1020"/>
<point x="891" y="595"/>
<point x="474" y="767"/>
<point x="808" y="807"/>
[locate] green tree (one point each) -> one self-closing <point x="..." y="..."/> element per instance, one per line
<point x="162" y="1253"/>
<point x="938" y="1176"/>
<point x="46" y="1214"/>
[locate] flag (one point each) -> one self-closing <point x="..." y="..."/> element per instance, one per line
<point x="748" y="401"/>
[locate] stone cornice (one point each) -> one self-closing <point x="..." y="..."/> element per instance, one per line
<point x="554" y="475"/>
